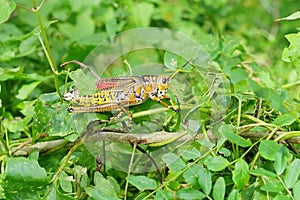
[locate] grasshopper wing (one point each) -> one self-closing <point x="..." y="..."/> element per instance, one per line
<point x="120" y="83"/>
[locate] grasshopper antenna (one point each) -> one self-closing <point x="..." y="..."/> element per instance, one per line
<point x="81" y="65"/>
<point x="178" y="70"/>
<point x="172" y="75"/>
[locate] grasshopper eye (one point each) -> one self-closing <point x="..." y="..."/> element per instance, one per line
<point x="164" y="80"/>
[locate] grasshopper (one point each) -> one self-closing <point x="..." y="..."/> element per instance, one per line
<point x="118" y="93"/>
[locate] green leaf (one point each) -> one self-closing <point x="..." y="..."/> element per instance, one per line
<point x="296" y="190"/>
<point x="17" y="124"/>
<point x="65" y="182"/>
<point x="204" y="180"/>
<point x="56" y="194"/>
<point x="237" y="75"/>
<point x="281" y="159"/>
<point x="219" y="189"/>
<point x="111" y="27"/>
<point x="258" y="194"/>
<point x="141" y="13"/>
<point x="6" y="9"/>
<point x="24" y="178"/>
<point x="80" y="5"/>
<point x="224" y="151"/>
<point x="190" y="154"/>
<point x="84" y="83"/>
<point x="11" y="73"/>
<point x="230" y="133"/>
<point x="62" y="124"/>
<point x="141" y="196"/>
<point x="240" y="173"/>
<point x="272" y="185"/>
<point x="266" y="79"/>
<point x="292" y="53"/>
<point x="25" y="170"/>
<point x="217" y="163"/>
<point x="34" y="155"/>
<point x="282" y="197"/>
<point x="231" y="44"/>
<point x="295" y="15"/>
<point x="27" y="46"/>
<point x="292" y="173"/>
<point x="206" y="143"/>
<point x="174" y="62"/>
<point x="84" y="27"/>
<point x="164" y="195"/>
<point x="27" y="108"/>
<point x="49" y="97"/>
<point x="76" y="122"/>
<point x="191" y="175"/>
<point x="274" y="97"/>
<point x="142" y="182"/>
<point x="174" y="162"/>
<point x="262" y="172"/>
<point x="41" y="118"/>
<point x="284" y="120"/>
<point x="249" y="191"/>
<point x="84" y="182"/>
<point x="170" y="60"/>
<point x="114" y="183"/>
<point x="96" y="193"/>
<point x="26" y="90"/>
<point x="57" y="121"/>
<point x="103" y="189"/>
<point x="268" y="149"/>
<point x="174" y="185"/>
<point x="190" y="193"/>
<point x="233" y="195"/>
<point x="258" y="129"/>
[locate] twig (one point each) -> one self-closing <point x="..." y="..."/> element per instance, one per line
<point x="27" y="142"/>
<point x="150" y="138"/>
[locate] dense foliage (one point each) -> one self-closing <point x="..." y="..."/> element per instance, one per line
<point x="239" y="109"/>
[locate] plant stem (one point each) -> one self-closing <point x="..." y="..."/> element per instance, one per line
<point x="259" y="123"/>
<point x="46" y="47"/>
<point x="2" y="142"/>
<point x="288" y="135"/>
<point x="290" y="85"/>
<point x="285" y="187"/>
<point x="66" y="159"/>
<point x="129" y="170"/>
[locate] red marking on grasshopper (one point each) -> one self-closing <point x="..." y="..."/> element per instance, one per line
<point x="101" y="85"/>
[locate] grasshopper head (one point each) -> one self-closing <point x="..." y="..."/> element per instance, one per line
<point x="163" y="84"/>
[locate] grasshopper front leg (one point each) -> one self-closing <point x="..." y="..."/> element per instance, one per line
<point x="159" y="100"/>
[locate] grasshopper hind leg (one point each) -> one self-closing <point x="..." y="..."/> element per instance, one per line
<point x="122" y="110"/>
<point x="127" y="113"/>
<point x="126" y="127"/>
